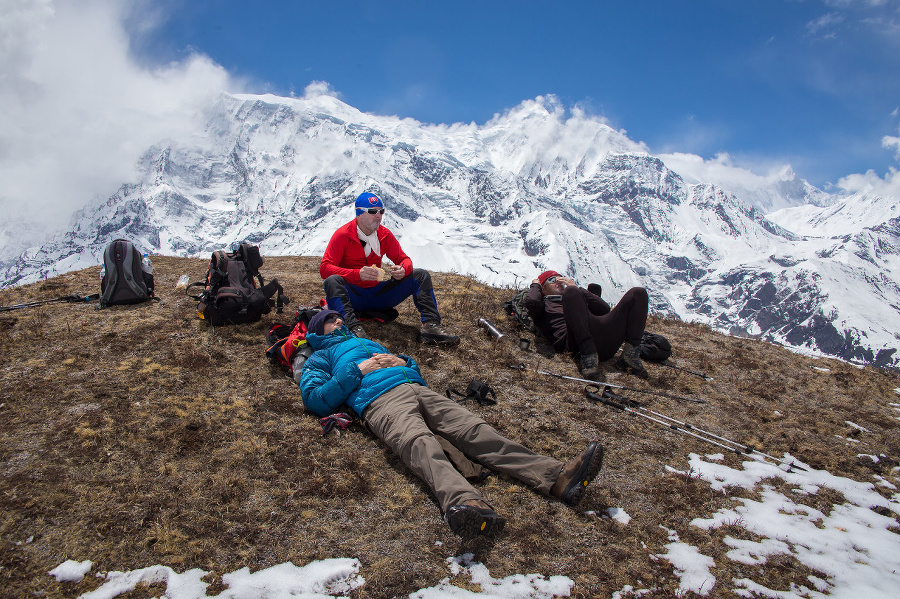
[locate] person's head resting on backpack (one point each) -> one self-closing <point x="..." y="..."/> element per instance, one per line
<point x="325" y="322"/>
<point x="369" y="212"/>
<point x="553" y="283"/>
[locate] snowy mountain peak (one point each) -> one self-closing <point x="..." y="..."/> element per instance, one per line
<point x="536" y="187"/>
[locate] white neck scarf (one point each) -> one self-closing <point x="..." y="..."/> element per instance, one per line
<point x="370" y="242"/>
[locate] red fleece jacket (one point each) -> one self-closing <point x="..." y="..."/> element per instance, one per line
<point x="345" y="255"/>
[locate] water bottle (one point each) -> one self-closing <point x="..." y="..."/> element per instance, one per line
<point x="146" y="265"/>
<point x="488" y="326"/>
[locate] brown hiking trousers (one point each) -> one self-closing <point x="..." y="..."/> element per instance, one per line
<point x="408" y="418"/>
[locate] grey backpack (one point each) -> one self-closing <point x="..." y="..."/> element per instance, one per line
<point x="124" y="280"/>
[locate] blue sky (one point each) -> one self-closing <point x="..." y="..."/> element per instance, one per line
<point x="87" y="86"/>
<point x="811" y="83"/>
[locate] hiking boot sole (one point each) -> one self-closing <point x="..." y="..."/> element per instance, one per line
<point x="574" y="493"/>
<point x="470" y="522"/>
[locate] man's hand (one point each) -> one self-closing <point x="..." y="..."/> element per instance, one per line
<point x="370" y="273"/>
<point x="378" y="361"/>
<point x="397" y="271"/>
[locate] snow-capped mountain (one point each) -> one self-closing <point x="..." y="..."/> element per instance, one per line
<point x="538" y="187"/>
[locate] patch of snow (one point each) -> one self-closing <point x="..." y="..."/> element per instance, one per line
<point x="618" y="514"/>
<point x="71" y="571"/>
<point x="524" y="586"/>
<point x="691" y="566"/>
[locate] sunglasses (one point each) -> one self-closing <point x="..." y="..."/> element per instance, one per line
<point x="375" y="210"/>
<point x="551" y="280"/>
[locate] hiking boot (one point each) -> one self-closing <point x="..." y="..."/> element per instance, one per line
<point x="630" y="361"/>
<point x="577" y="474"/>
<point x="474" y="518"/>
<point x="432" y="332"/>
<point x="359" y="331"/>
<point x="590" y="367"/>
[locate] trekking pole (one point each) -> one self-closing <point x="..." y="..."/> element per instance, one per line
<point x="682" y="368"/>
<point x="522" y="366"/>
<point x="608" y="398"/>
<point x="72" y="299"/>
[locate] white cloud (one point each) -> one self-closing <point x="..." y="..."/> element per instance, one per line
<point x="850" y="3"/>
<point x="872" y="184"/>
<point x="722" y="170"/>
<point x="320" y="88"/>
<point x="889" y="141"/>
<point x="824" y="22"/>
<point x="78" y="109"/>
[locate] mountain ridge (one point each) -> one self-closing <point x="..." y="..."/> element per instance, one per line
<point x="536" y="187"/>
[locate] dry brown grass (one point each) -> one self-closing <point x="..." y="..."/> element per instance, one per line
<point x="138" y="435"/>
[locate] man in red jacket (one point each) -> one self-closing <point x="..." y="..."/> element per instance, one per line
<point x="355" y="281"/>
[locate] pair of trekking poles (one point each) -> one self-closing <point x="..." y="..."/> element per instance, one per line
<point x="603" y="393"/>
<point x="71" y="299"/>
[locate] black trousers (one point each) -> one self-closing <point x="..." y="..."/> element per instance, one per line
<point x="625" y="322"/>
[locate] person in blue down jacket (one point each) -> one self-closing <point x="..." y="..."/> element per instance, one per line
<point x="391" y="398"/>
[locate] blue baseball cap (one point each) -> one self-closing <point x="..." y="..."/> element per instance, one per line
<point x="367" y="200"/>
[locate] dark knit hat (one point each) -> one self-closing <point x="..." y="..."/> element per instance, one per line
<point x="542" y="278"/>
<point x="317" y="322"/>
<point x="367" y="200"/>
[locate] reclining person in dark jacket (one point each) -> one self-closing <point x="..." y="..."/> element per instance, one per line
<point x="578" y="320"/>
<point x="389" y="395"/>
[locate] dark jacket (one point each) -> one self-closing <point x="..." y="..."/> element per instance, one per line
<point x="547" y="313"/>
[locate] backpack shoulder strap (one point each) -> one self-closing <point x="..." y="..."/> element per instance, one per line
<point x="218" y="268"/>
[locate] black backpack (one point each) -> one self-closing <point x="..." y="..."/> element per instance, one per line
<point x="124" y="280"/>
<point x="654" y="347"/>
<point x="230" y="294"/>
<point x="515" y="308"/>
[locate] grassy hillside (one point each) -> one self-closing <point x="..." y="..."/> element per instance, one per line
<point x="138" y="435"/>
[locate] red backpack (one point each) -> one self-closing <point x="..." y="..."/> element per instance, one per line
<point x="285" y="343"/>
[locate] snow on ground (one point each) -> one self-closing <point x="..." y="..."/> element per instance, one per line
<point x="855" y="548"/>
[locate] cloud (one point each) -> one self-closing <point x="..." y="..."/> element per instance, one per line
<point x="870" y="183"/>
<point x="826" y="21"/>
<point x="889" y="141"/>
<point x="78" y="108"/>
<point x="872" y="18"/>
<point x="316" y="89"/>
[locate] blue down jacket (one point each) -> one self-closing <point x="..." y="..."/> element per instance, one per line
<point x="331" y="376"/>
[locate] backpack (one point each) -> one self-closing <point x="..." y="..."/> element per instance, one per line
<point x="654" y="347"/>
<point x="515" y="308"/>
<point x="124" y="279"/>
<point x="230" y="294"/>
<point x="285" y="344"/>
